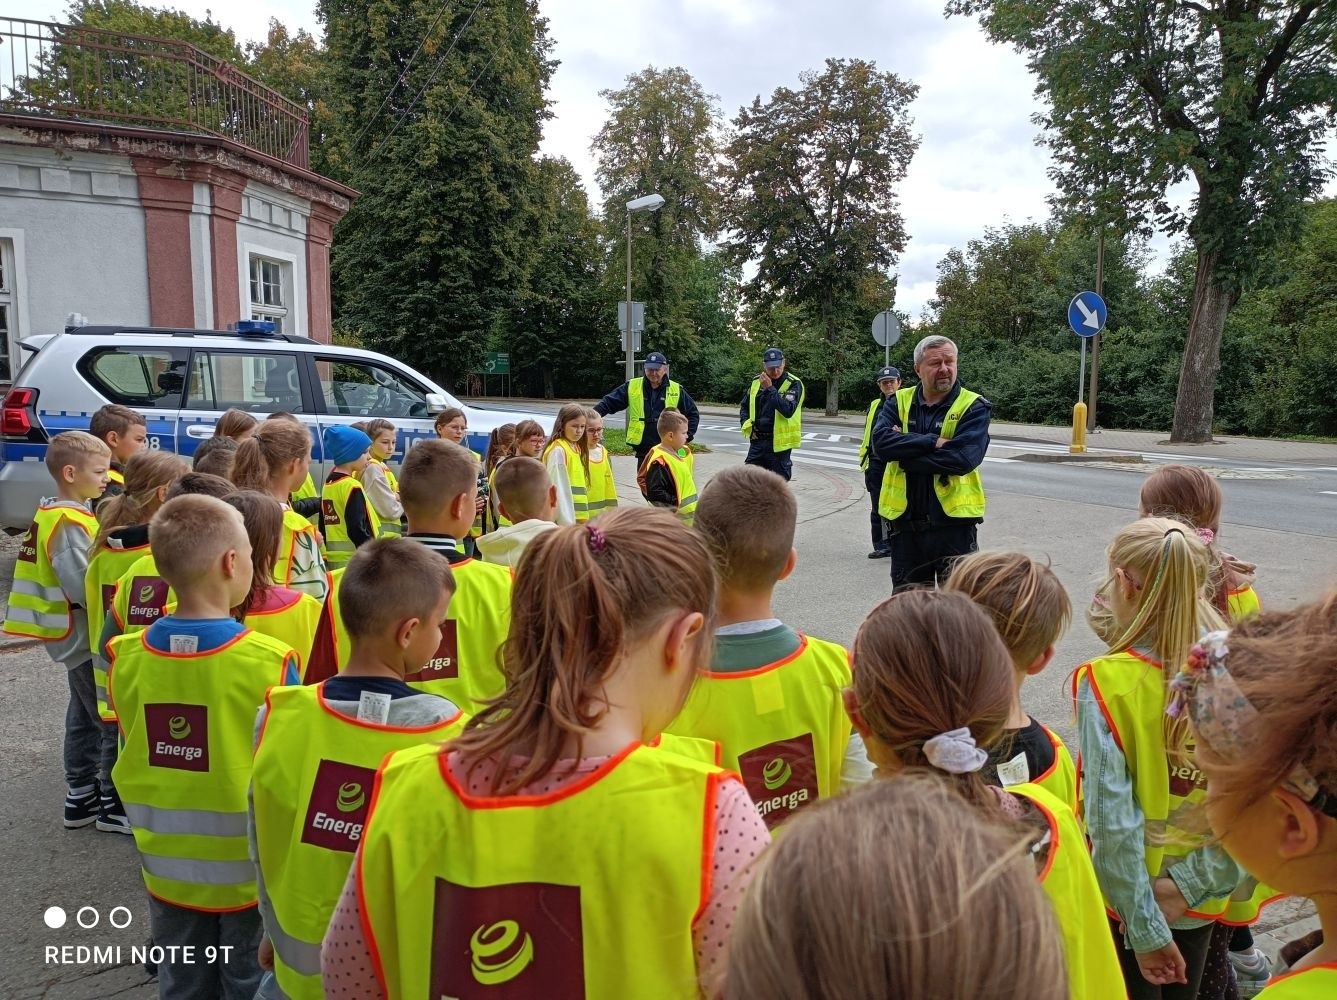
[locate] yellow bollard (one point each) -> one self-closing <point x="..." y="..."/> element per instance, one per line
<point x="1078" y="445"/>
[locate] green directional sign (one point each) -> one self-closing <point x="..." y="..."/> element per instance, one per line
<point x="495" y="363"/>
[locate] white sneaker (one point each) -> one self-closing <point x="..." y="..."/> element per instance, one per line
<point x="1253" y="971"/>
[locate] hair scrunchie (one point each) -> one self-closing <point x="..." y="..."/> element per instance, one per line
<point x="595" y="538"/>
<point x="955" y="752"/>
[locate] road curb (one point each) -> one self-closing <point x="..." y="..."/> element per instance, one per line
<point x="1058" y="456"/>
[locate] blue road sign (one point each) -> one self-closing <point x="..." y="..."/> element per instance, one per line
<point x="1087" y="314"/>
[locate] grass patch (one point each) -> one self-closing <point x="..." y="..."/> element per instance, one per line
<point x="615" y="441"/>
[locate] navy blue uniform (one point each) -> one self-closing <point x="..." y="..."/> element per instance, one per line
<point x="761" y="450"/>
<point x="872" y="481"/>
<point x="616" y="401"/>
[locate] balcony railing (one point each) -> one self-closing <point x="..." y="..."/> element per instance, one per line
<point x="73" y="72"/>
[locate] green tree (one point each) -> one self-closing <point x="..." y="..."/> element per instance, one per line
<point x="1234" y="93"/>
<point x="295" y="65"/>
<point x="812" y="195"/>
<point x="662" y="135"/>
<point x="440" y="112"/>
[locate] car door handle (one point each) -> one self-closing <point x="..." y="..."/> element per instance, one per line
<point x="200" y="431"/>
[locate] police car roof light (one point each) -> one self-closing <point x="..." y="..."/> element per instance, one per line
<point x="253" y="327"/>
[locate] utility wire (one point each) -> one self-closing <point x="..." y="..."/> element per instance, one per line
<point x="404" y="73"/>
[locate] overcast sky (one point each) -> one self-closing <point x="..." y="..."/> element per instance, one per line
<point x="977" y="163"/>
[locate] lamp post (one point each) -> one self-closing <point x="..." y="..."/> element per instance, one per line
<point x="645" y="203"/>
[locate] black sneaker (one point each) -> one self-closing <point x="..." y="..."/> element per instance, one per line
<point x="111" y="814"/>
<point x="82" y="810"/>
<point x="880" y="554"/>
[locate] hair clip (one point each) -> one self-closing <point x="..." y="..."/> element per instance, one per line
<point x="596" y="539"/>
<point x="955" y="752"/>
<point x="1207" y="535"/>
<point x="1211" y="650"/>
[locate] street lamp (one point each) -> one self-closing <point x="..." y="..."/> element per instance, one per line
<point x="645" y="203"/>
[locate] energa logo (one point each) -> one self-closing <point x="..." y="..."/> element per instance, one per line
<point x="499" y="952"/>
<point x="776" y="774"/>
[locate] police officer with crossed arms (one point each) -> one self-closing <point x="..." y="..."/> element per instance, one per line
<point x="644" y="399"/>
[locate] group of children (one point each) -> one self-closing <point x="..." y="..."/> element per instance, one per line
<point x="559" y="774"/>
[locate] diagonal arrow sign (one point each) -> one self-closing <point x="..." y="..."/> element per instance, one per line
<point x="1089" y="316"/>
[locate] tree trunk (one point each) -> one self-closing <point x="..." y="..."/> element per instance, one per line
<point x="832" y="395"/>
<point x="547" y="380"/>
<point x="832" y="380"/>
<point x="1212" y="303"/>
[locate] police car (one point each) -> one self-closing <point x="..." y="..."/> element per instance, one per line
<point x="183" y="380"/>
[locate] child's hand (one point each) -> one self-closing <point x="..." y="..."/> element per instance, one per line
<point x="1170" y="899"/>
<point x="1164" y="966"/>
<point x="479" y="504"/>
<point x="265" y="954"/>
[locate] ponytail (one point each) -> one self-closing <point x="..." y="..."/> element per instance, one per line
<point x="262" y="457"/>
<point x="263" y="517"/>
<point x="566" y="641"/>
<point x="145" y="474"/>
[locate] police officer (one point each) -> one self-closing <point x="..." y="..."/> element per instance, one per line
<point x="888" y="382"/>
<point x="772" y="415"/>
<point x="644" y="399"/>
<point x="933" y="439"/>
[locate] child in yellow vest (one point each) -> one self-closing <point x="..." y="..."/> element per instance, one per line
<point x="378" y="480"/>
<point x="1031" y="611"/>
<point x="438" y="483"/>
<point x="527" y="499"/>
<point x="276" y="460"/>
<point x="122" y="538"/>
<point x="317" y="749"/>
<point x="944" y="903"/>
<point x="1139" y="776"/>
<point x="185" y="692"/>
<point x="933" y="688"/>
<point x="602" y="488"/>
<point x="304" y="498"/>
<point x="1260" y="702"/>
<point x="567" y="457"/>
<point x="772" y="696"/>
<point x="667" y="476"/>
<point x="527" y="440"/>
<point x="453" y="425"/>
<point x="346" y="518"/>
<point x="46" y="602"/>
<point x="595" y="668"/>
<point x="125" y="433"/>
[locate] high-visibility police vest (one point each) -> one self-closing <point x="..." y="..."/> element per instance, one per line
<point x="555" y="922"/>
<point x="960" y="496"/>
<point x="467" y="668"/>
<point x="1318" y="982"/>
<point x="339" y="548"/>
<point x="602" y="489"/>
<point x="390" y="527"/>
<point x="312" y="782"/>
<point x="106" y="567"/>
<point x="343" y="642"/>
<point x="636" y="406"/>
<point x="787" y="433"/>
<point x="38" y="607"/>
<point x="300" y="565"/>
<point x="782" y="727"/>
<point x="575" y="472"/>
<point x="1243" y="603"/>
<point x="866" y="444"/>
<point x="680" y="468"/>
<point x="186" y="721"/>
<point x="1069" y="880"/>
<point x="1130" y="690"/>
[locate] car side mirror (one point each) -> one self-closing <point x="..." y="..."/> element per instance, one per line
<point x="436" y="403"/>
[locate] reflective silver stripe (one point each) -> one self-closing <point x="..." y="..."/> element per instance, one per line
<point x="579" y="490"/>
<point x="339" y="546"/>
<point x="687" y="501"/>
<point x="193" y="821"/>
<point x="101" y="694"/>
<point x="31" y="588"/>
<point x="196" y="871"/>
<point x="303" y="957"/>
<point x="39" y="618"/>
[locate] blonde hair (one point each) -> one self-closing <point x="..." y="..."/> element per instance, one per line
<point x="897" y="889"/>
<point x="565" y="640"/>
<point x="522" y="485"/>
<point x="264" y="456"/>
<point x="234" y="423"/>
<point x="1028" y="605"/>
<point x="145" y="473"/>
<point x="389" y="580"/>
<point x="434" y="473"/>
<point x="188" y="536"/>
<point x="1189" y="494"/>
<point x="747" y="515"/>
<point x="75" y="448"/>
<point x="1173" y="609"/>
<point x="671" y="419"/>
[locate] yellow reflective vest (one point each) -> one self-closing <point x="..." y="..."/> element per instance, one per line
<point x="960" y="496"/>
<point x="636" y="406"/>
<point x="300" y="565"/>
<point x="467" y="668"/>
<point x="456" y="909"/>
<point x="788" y="431"/>
<point x="343" y="642"/>
<point x="140" y="599"/>
<point x="313" y="774"/>
<point x="602" y="489"/>
<point x="1069" y="881"/>
<point x="1318" y="982"/>
<point x="866" y="443"/>
<point x="1243" y="603"/>
<point x="681" y="466"/>
<point x="38" y="606"/>
<point x="575" y="472"/>
<point x="389" y="528"/>
<point x="782" y="727"/>
<point x="1130" y="690"/>
<point x="339" y="548"/>
<point x="186" y="721"/>
<point x="1059" y="780"/>
<point x="106" y="567"/>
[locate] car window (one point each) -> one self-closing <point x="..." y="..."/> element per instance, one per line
<point x="146" y="377"/>
<point x="220" y="380"/>
<point x="357" y="388"/>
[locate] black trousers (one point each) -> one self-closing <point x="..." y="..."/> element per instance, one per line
<point x="924" y="558"/>
<point x="1193" y="945"/>
<point x="759" y="453"/>
<point x="872" y="481"/>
